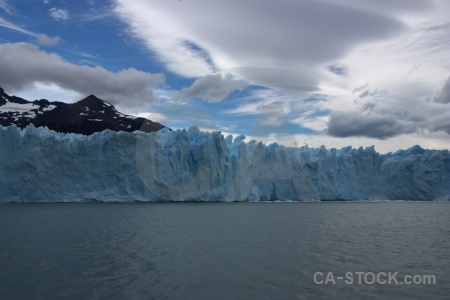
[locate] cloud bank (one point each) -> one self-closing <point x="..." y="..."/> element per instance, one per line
<point x="23" y="64"/>
<point x="377" y="122"/>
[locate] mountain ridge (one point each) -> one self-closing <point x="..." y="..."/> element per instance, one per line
<point x="87" y="116"/>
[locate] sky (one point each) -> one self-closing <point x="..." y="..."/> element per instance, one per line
<point x="325" y="72"/>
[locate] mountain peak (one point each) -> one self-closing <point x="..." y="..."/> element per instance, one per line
<point x="91" y="99"/>
<point x="94" y="102"/>
<point x="86" y="116"/>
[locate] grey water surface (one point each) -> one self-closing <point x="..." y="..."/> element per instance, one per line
<point x="223" y="250"/>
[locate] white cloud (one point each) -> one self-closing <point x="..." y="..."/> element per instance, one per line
<point x="51" y="92"/>
<point x="390" y="84"/>
<point x="128" y="88"/>
<point x="277" y="44"/>
<point x="375" y="62"/>
<point x="395" y="51"/>
<point x="45" y="40"/>
<point x="59" y="14"/>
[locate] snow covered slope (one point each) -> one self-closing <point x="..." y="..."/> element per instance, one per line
<point x="43" y="165"/>
<point x="85" y="116"/>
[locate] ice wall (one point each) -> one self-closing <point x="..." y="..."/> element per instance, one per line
<point x="182" y="165"/>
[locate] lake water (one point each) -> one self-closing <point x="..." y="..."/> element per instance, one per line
<point x="223" y="250"/>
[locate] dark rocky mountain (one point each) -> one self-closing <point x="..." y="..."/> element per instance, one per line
<point x="85" y="116"/>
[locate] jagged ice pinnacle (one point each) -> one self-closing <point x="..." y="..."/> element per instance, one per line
<point x="37" y="164"/>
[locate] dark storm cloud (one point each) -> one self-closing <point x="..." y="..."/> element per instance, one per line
<point x="444" y="94"/>
<point x="345" y="124"/>
<point x="441" y="123"/>
<point x="23" y="64"/>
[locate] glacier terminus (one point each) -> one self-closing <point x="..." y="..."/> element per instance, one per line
<point x="41" y="165"/>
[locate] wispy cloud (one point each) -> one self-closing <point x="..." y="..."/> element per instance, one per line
<point x="97" y="15"/>
<point x="82" y="54"/>
<point x="212" y="88"/>
<point x="252" y="104"/>
<point x="161" y="35"/>
<point x="41" y="39"/>
<point x="5" y="6"/>
<point x="12" y="26"/>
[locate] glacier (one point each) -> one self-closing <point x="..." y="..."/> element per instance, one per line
<point x="40" y="165"/>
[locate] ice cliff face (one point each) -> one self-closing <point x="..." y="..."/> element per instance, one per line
<point x="43" y="165"/>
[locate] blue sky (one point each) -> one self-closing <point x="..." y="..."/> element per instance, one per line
<point x="330" y="72"/>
